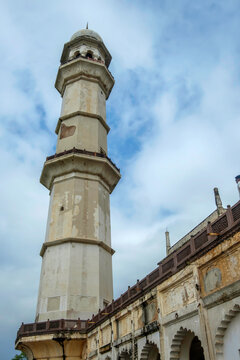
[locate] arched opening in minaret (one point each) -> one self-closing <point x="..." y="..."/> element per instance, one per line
<point x="196" y="350"/>
<point x="76" y="54"/>
<point x="89" y="55"/>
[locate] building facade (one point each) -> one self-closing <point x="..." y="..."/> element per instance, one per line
<point x="186" y="308"/>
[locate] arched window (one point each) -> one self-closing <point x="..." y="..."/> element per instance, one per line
<point x="186" y="345"/>
<point x="89" y="55"/>
<point x="231" y="342"/>
<point x="76" y="54"/>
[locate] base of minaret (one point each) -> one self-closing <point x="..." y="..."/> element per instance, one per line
<point x="67" y="341"/>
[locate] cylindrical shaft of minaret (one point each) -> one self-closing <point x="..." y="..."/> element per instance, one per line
<point x="76" y="276"/>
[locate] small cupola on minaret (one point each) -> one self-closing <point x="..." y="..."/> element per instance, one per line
<point x="86" y="44"/>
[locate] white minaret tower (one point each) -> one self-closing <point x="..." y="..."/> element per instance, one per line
<point x="76" y="276"/>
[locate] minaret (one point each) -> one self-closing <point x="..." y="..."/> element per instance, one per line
<point x="76" y="275"/>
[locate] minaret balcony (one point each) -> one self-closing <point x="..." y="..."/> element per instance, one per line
<point x="76" y="160"/>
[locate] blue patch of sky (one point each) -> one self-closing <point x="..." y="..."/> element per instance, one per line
<point x="26" y="84"/>
<point x="124" y="150"/>
<point x="188" y="98"/>
<point x="42" y="118"/>
<point x="192" y="32"/>
<point x="8" y="335"/>
<point x="24" y="81"/>
<point x="18" y="127"/>
<point x="164" y="213"/>
<point x="13" y="126"/>
<point x="132" y="103"/>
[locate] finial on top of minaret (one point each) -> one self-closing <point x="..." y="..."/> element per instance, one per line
<point x="87" y="26"/>
<point x="218" y="201"/>
<point x="168" y="245"/>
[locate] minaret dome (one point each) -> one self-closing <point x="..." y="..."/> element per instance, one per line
<point x="86" y="33"/>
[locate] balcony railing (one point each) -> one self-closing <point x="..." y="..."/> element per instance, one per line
<point x="84" y="152"/>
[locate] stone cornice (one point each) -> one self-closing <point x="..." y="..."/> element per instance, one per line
<point x="225" y="294"/>
<point x="77" y="175"/>
<point x="76" y="240"/>
<point x="75" y="162"/>
<point x="81" y="113"/>
<point x="81" y="68"/>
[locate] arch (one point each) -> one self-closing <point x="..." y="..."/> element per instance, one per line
<point x="26" y="351"/>
<point x="221" y="330"/>
<point x="89" y="54"/>
<point x="150" y="351"/>
<point x="76" y="54"/>
<point x="182" y="337"/>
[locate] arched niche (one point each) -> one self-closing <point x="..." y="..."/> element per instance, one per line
<point x="227" y="340"/>
<point x="186" y="346"/>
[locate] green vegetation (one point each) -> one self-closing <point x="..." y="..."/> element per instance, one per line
<point x="19" y="357"/>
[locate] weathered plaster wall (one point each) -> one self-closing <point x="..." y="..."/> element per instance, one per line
<point x="82" y="132"/>
<point x="44" y="348"/>
<point x="79" y="207"/>
<point x="69" y="286"/>
<point x="220" y="267"/>
<point x="84" y="95"/>
<point x="177" y="292"/>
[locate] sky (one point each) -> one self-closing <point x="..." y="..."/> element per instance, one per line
<point x="174" y="114"/>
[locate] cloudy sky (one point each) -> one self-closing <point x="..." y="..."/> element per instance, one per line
<point x="174" y="115"/>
